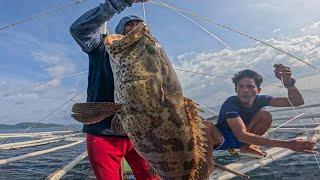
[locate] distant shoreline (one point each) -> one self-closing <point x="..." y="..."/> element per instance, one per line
<point x="25" y="125"/>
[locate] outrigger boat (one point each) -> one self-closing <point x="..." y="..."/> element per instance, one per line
<point x="244" y="165"/>
<point x="238" y="168"/>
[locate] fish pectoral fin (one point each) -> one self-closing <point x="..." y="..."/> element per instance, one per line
<point x="116" y="125"/>
<point x="88" y="119"/>
<point x="90" y="113"/>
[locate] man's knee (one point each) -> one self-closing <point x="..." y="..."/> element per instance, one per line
<point x="264" y="116"/>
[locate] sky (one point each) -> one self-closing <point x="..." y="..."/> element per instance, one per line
<point x="36" y="55"/>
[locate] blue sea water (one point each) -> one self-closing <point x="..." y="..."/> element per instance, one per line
<point x="296" y="166"/>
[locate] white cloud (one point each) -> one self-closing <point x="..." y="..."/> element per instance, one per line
<point x="314" y="26"/>
<point x="30" y="99"/>
<point x="34" y="106"/>
<point x="55" y="63"/>
<point x="276" y="30"/>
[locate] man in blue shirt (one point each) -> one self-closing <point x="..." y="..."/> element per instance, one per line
<point x="106" y="149"/>
<point x="242" y="122"/>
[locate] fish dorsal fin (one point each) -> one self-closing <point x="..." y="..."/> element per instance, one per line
<point x="94" y="112"/>
<point x="201" y="167"/>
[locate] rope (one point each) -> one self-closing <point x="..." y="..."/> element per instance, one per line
<point x="55" y="110"/>
<point x="43" y="83"/>
<point x="189" y="19"/>
<point x="210" y="110"/>
<point x="48" y="115"/>
<point x="236" y="31"/>
<point x="206" y="107"/>
<point x="144" y="13"/>
<point x="294" y="118"/>
<point x="300" y="107"/>
<point x="199" y="73"/>
<point x="40" y="14"/>
<point x="304" y="127"/>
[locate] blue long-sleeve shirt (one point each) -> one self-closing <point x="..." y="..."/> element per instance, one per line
<point x="86" y="31"/>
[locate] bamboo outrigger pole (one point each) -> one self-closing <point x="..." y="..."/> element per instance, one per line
<point x="223" y="168"/>
<point x="36" y="153"/>
<point x="62" y="171"/>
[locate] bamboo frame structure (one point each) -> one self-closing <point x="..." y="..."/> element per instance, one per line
<point x="248" y="164"/>
<point x="32" y="143"/>
<point x="300" y="107"/>
<point x="59" y="173"/>
<point x="13" y="135"/>
<point x="229" y="171"/>
<point x="36" y="153"/>
<point x="305" y="116"/>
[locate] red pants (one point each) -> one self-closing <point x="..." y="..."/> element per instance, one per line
<point x="106" y="154"/>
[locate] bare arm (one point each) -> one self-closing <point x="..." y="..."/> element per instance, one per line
<point x="239" y="129"/>
<point x="294" y="98"/>
<point x="85" y="30"/>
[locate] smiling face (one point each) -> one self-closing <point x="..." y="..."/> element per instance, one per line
<point x="247" y="91"/>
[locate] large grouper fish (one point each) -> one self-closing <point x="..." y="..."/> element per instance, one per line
<point x="163" y="125"/>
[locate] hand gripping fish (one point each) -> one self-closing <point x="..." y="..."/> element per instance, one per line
<point x="163" y="125"/>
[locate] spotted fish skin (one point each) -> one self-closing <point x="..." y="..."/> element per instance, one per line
<point x="163" y="125"/>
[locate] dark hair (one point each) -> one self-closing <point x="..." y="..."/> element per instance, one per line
<point x="247" y="73"/>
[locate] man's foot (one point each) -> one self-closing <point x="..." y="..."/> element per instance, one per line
<point x="252" y="150"/>
<point x="211" y="138"/>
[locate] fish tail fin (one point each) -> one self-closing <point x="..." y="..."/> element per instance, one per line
<point x="90" y="113"/>
<point x="201" y="166"/>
